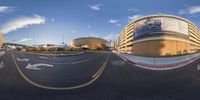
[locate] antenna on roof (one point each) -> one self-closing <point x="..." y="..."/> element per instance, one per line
<point x="63" y="40"/>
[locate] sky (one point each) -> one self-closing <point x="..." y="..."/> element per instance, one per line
<point x="33" y="22"/>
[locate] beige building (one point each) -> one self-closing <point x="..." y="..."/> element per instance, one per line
<point x="1" y="40"/>
<point x="92" y="43"/>
<point x="159" y="35"/>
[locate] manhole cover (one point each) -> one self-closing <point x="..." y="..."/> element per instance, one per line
<point x="118" y="62"/>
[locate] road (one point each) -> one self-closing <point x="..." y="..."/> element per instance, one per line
<point x="92" y="76"/>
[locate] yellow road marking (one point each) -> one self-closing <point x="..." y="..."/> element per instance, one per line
<point x="101" y="69"/>
<point x="60" y="88"/>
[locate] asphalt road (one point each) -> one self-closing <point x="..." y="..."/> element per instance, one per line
<point x="92" y="76"/>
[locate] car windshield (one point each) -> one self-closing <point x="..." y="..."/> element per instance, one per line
<point x="99" y="50"/>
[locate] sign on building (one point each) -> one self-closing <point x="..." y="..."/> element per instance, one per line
<point x="161" y="25"/>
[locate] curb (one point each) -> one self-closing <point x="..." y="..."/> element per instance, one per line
<point x="159" y="67"/>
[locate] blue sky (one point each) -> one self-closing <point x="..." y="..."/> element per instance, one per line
<point x="48" y="21"/>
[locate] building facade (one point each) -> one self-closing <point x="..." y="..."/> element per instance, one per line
<point x="92" y="43"/>
<point x="159" y="35"/>
<point x="1" y="40"/>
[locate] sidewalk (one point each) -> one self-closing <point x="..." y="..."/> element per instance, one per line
<point x="159" y="63"/>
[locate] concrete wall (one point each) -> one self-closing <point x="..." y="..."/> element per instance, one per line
<point x="1" y="39"/>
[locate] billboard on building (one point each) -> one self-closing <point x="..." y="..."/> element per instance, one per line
<point x="160" y="25"/>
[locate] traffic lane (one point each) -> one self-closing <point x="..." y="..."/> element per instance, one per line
<point x="3" y="63"/>
<point x="124" y="81"/>
<point x="63" y="75"/>
<point x="12" y="85"/>
<point x="3" y="68"/>
<point x="10" y="81"/>
<point x="103" y="89"/>
<point x="83" y="56"/>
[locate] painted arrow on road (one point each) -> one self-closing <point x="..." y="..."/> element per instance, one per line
<point x="1" y="64"/>
<point x="35" y="66"/>
<point x="18" y="59"/>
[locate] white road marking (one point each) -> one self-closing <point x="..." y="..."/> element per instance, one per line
<point x="2" y="53"/>
<point x="18" y="59"/>
<point x="35" y="66"/>
<point x="43" y="57"/>
<point x="58" y="88"/>
<point x="198" y="67"/>
<point x="1" y="64"/>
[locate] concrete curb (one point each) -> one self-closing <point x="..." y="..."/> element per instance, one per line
<point x="159" y="67"/>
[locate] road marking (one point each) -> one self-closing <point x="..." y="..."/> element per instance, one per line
<point x="99" y="72"/>
<point x="35" y="66"/>
<point x="75" y="62"/>
<point x="59" y="88"/>
<point x="100" y="69"/>
<point x="198" y="67"/>
<point x="1" y="64"/>
<point x="43" y="57"/>
<point x="18" y="59"/>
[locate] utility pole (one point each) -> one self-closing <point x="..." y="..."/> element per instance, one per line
<point x="63" y="40"/>
<point x="34" y="40"/>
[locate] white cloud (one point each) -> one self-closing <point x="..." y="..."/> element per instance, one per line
<point x="181" y="12"/>
<point x="4" y="9"/>
<point x="111" y="36"/>
<point x="91" y="35"/>
<point x="53" y="20"/>
<point x="194" y="9"/>
<point x="21" y="22"/>
<point x="119" y="24"/>
<point x="133" y="18"/>
<point x="89" y="26"/>
<point x="113" y="21"/>
<point x="95" y="7"/>
<point x="190" y="10"/>
<point x="74" y="31"/>
<point x="133" y="9"/>
<point x="22" y="40"/>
